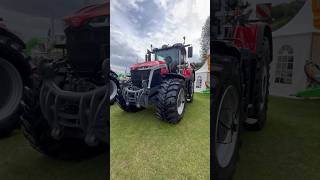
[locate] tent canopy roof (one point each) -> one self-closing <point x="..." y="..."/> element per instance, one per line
<point x="302" y="23"/>
<point x="204" y="68"/>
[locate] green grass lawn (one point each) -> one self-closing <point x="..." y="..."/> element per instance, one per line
<point x="18" y="161"/>
<point x="143" y="147"/>
<point x="289" y="146"/>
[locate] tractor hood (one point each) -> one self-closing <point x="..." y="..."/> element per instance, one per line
<point x="147" y="64"/>
<point x="86" y="13"/>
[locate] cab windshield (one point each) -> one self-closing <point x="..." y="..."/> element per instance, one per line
<point x="167" y="55"/>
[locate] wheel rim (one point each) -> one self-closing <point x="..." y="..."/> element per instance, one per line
<point x="181" y="101"/>
<point x="11" y="91"/>
<point x="113" y="90"/>
<point x="227" y="126"/>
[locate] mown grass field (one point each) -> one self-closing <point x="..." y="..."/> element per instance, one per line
<point x="143" y="147"/>
<point x="18" y="161"/>
<point x="288" y="147"/>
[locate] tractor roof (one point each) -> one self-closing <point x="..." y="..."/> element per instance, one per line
<point x="89" y="12"/>
<point x="179" y="46"/>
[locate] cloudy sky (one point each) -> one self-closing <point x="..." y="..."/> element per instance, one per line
<point x="136" y="24"/>
<point x="31" y="18"/>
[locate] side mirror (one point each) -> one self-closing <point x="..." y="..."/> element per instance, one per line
<point x="190" y="52"/>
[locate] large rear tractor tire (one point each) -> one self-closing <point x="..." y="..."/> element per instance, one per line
<point x="10" y="96"/>
<point x="227" y="116"/>
<point x="190" y="91"/>
<point x="171" y="100"/>
<point x="261" y="91"/>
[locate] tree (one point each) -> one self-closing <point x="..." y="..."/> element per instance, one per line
<point x="205" y="40"/>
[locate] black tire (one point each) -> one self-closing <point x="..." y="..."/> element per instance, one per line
<point x="10" y="97"/>
<point x="12" y="80"/>
<point x="113" y="88"/>
<point x="170" y="107"/>
<point x="261" y="90"/>
<point x="37" y="131"/>
<point x="14" y="74"/>
<point x="190" y="91"/>
<point x="226" y="96"/>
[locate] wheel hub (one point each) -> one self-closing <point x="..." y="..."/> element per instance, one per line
<point x="180" y="101"/>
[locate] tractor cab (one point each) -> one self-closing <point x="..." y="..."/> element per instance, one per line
<point x="174" y="56"/>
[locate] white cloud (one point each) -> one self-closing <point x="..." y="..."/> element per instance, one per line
<point x="180" y="18"/>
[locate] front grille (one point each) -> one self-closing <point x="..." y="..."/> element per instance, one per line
<point x="69" y="109"/>
<point x="137" y="76"/>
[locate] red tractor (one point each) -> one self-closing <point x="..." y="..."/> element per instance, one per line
<point x="241" y="55"/>
<point x="65" y="109"/>
<point x="165" y="80"/>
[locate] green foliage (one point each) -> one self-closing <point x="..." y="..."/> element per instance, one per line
<point x="284" y="12"/>
<point x="32" y="43"/>
<point x="205" y="40"/>
<point x="199" y="65"/>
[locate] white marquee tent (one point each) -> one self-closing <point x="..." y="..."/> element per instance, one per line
<point x="201" y="77"/>
<point x="294" y="45"/>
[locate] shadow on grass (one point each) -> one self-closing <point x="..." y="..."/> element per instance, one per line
<point x="288" y="147"/>
<point x="20" y="161"/>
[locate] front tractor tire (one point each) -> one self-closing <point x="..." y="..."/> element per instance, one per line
<point x="190" y="91"/>
<point x="10" y="97"/>
<point x="171" y="100"/>
<point x="257" y="120"/>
